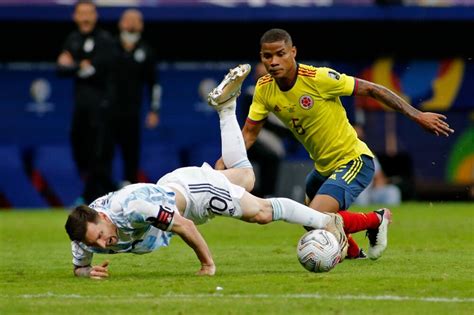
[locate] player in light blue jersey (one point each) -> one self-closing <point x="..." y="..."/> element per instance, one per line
<point x="140" y="218"/>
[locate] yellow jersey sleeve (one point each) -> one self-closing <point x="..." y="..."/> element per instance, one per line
<point x="258" y="111"/>
<point x="331" y="84"/>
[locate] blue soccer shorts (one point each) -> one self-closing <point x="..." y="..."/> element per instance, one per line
<point x="345" y="183"/>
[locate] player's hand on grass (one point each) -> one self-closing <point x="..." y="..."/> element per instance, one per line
<point x="98" y="272"/>
<point x="207" y="270"/>
<point x="434" y="123"/>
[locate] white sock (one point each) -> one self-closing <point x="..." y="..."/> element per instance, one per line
<point x="234" y="152"/>
<point x="293" y="212"/>
<point x="228" y="108"/>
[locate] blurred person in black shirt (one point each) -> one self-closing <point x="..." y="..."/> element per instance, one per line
<point x="88" y="55"/>
<point x="136" y="70"/>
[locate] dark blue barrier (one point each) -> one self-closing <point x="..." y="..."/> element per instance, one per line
<point x="15" y="185"/>
<point x="36" y="107"/>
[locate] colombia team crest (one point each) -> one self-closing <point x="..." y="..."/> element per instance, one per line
<point x="306" y="102"/>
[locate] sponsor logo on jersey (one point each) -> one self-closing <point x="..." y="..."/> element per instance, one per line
<point x="139" y="55"/>
<point x="306" y="102"/>
<point x="289" y="108"/>
<point x="89" y="45"/>
<point x="276" y="109"/>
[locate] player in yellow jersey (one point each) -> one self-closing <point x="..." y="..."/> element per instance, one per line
<point x="306" y="99"/>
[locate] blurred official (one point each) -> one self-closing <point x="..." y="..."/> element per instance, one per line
<point x="136" y="70"/>
<point x="88" y="55"/>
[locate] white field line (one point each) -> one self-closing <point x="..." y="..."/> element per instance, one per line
<point x="314" y="296"/>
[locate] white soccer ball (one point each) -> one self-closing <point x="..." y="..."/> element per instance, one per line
<point x="318" y="251"/>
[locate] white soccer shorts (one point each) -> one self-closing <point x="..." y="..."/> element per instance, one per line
<point x="208" y="192"/>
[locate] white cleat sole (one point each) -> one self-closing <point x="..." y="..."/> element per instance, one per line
<point x="230" y="86"/>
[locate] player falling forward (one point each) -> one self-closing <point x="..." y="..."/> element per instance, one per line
<point x="140" y="218"/>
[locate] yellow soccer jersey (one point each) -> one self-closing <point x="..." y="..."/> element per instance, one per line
<point x="313" y="112"/>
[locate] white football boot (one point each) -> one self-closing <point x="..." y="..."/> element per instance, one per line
<point x="378" y="237"/>
<point x="229" y="87"/>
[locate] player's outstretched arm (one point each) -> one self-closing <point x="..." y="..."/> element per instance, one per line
<point x="250" y="132"/>
<point x="94" y="272"/>
<point x="431" y="122"/>
<point x="187" y="230"/>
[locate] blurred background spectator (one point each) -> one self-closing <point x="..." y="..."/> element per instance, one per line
<point x="135" y="74"/>
<point x="88" y="56"/>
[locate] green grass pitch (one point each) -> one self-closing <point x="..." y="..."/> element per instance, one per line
<point x="428" y="268"/>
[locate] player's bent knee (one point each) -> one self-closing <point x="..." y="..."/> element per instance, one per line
<point x="248" y="179"/>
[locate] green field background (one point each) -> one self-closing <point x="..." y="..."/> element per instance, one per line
<point x="428" y="268"/>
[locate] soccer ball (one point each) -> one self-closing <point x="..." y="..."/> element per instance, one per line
<point x="318" y="251"/>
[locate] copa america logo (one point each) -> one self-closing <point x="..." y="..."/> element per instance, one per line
<point x="306" y="102"/>
<point x="204" y="88"/>
<point x="40" y="91"/>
